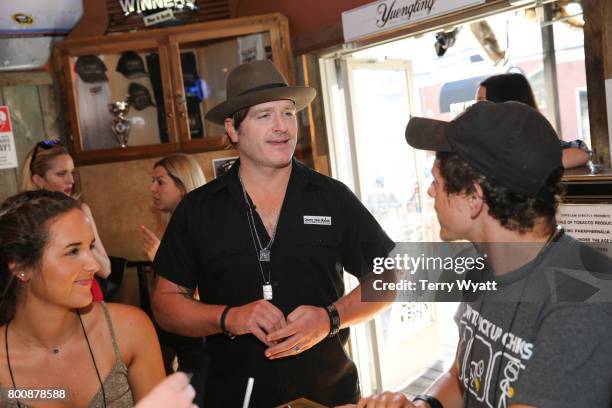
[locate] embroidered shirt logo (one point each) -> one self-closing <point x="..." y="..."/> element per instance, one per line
<point x="317" y="220"/>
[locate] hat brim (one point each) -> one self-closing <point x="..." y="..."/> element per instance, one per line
<point x="300" y="95"/>
<point x="428" y="134"/>
<point x="96" y="77"/>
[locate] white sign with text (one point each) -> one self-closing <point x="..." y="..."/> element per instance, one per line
<point x="385" y="15"/>
<point x="587" y="222"/>
<point x="8" y="150"/>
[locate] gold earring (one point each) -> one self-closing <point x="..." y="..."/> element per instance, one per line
<point x="22" y="275"/>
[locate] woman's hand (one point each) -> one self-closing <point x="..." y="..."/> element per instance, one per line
<point x="150" y="242"/>
<point x="174" y="391"/>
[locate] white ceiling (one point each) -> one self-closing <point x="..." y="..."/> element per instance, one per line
<point x="42" y="17"/>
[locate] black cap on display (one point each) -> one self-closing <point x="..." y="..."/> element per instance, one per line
<point x="139" y="96"/>
<point x="131" y="65"/>
<point x="90" y="68"/>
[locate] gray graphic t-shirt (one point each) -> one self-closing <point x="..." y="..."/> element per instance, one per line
<point x="544" y="338"/>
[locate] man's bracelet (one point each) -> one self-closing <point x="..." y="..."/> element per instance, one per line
<point x="432" y="401"/>
<point x="334" y="320"/>
<point x="222" y="323"/>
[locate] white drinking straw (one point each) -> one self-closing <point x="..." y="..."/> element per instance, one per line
<point x="247" y="395"/>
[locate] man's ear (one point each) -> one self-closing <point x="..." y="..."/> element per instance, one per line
<point x="38" y="181"/>
<point x="230" y="130"/>
<point x="476" y="201"/>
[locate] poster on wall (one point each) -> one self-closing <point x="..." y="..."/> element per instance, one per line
<point x="8" y="150"/>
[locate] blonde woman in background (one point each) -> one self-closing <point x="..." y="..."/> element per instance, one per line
<point x="173" y="177"/>
<point x="49" y="166"/>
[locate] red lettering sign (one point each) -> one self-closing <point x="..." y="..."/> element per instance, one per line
<point x="5" y="119"/>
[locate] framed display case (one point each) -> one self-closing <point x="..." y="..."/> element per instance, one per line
<point x="144" y="94"/>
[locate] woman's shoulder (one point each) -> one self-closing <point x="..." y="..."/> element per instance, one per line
<point x="128" y="323"/>
<point x="128" y="317"/>
<point x="85" y="208"/>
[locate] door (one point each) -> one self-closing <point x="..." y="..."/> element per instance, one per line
<point x="391" y="179"/>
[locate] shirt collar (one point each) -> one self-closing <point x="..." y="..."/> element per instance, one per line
<point x="300" y="177"/>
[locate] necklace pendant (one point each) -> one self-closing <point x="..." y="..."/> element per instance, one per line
<point x="264" y="255"/>
<point x="267" y="292"/>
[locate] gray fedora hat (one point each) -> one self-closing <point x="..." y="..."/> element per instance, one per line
<point x="257" y="82"/>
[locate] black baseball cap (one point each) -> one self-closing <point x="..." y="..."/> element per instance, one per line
<point x="90" y="68"/>
<point x="139" y="96"/>
<point x="131" y="65"/>
<point x="510" y="143"/>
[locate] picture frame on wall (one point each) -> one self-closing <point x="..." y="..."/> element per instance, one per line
<point x="222" y="165"/>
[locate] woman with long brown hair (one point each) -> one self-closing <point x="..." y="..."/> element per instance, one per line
<point x="52" y="336"/>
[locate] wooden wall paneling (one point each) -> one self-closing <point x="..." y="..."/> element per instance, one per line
<point x="166" y="52"/>
<point x="176" y="91"/>
<point x="607" y="38"/>
<point x="304" y="149"/>
<point x="52" y="119"/>
<point x="114" y="47"/>
<point x="94" y="20"/>
<point x="67" y="95"/>
<point x="210" y="33"/>
<point x="281" y="47"/>
<point x="317" y="131"/>
<point x="594" y="54"/>
<point x="21" y="78"/>
<point x="26" y="117"/>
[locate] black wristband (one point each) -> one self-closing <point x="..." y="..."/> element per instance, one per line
<point x="432" y="401"/>
<point x="334" y="320"/>
<point x="222" y="323"/>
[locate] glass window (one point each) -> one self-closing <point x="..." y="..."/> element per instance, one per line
<point x="205" y="66"/>
<point x="435" y="74"/>
<point x="119" y="99"/>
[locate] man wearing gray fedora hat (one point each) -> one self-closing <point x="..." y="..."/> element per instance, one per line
<point x="266" y="245"/>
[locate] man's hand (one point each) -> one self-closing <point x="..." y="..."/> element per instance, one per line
<point x="384" y="400"/>
<point x="306" y="326"/>
<point x="259" y="318"/>
<point x="150" y="242"/>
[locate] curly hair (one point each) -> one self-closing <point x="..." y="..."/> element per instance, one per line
<point x="24" y="233"/>
<point x="516" y="212"/>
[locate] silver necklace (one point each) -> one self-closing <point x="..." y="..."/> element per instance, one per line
<point x="262" y="253"/>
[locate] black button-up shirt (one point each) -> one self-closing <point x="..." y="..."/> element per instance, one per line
<point x="322" y="229"/>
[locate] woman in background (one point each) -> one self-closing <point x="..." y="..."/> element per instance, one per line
<point x="173" y="177"/>
<point x="515" y="87"/>
<point x="52" y="336"/>
<point x="49" y="166"/>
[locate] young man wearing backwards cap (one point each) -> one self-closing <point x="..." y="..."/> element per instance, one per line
<point x="266" y="245"/>
<point x="542" y="339"/>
